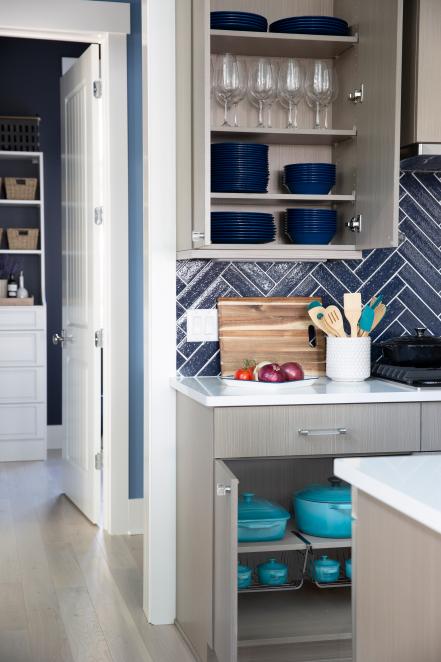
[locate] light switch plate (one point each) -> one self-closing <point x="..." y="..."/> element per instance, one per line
<point x="202" y="325"/>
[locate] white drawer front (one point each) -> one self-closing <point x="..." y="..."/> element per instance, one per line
<point x="26" y="317"/>
<point x="22" y="385"/>
<point x="22" y="422"/>
<point x="21" y="348"/>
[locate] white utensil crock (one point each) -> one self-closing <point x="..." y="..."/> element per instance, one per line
<point x="348" y="359"/>
<point x="3" y="288"/>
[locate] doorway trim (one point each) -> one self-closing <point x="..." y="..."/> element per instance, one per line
<point x="105" y="23"/>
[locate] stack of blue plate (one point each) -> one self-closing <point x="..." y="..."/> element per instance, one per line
<point x="239" y="168"/>
<point x="238" y="20"/>
<point x="242" y="227"/>
<point x="311" y="226"/>
<point x="316" y="178"/>
<point x="311" y="25"/>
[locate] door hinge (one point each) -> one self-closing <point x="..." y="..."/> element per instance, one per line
<point x="222" y="490"/>
<point x="99" y="338"/>
<point x="97" y="89"/>
<point x="354" y="224"/>
<point x="99" y="215"/>
<point x="197" y="236"/>
<point x="99" y="461"/>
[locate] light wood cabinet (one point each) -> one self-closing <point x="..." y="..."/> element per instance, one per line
<point x="222" y="452"/>
<point x="363" y="140"/>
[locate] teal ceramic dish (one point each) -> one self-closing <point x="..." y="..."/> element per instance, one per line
<point x="272" y="573"/>
<point x="244" y="576"/>
<point x="325" y="570"/>
<point x="260" y="520"/>
<point x="348" y="568"/>
<point x="325" y="510"/>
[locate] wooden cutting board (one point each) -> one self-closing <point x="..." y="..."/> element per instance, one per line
<point x="276" y="329"/>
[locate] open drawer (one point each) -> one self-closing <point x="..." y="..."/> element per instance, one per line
<point x="316" y="430"/>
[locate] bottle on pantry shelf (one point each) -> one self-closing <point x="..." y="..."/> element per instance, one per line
<point x="22" y="292"/>
<point x="12" y="287"/>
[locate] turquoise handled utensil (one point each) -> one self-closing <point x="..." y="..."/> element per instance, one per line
<point x="375" y="301"/>
<point x="366" y="320"/>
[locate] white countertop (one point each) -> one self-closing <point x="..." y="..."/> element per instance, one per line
<point x="214" y="392"/>
<point x="410" y="484"/>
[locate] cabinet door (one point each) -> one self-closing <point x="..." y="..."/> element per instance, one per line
<point x="378" y="121"/>
<point x="225" y="563"/>
<point x="431" y="426"/>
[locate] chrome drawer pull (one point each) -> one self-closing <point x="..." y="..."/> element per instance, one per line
<point x="322" y="433"/>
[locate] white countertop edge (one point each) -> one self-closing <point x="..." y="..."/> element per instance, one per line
<point x="347" y="470"/>
<point x="392" y="392"/>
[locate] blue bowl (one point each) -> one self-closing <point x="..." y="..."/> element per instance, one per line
<point x="308" y="237"/>
<point x="309" y="165"/>
<point x="315" y="188"/>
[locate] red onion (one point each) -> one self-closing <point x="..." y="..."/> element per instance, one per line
<point x="271" y="373"/>
<point x="292" y="371"/>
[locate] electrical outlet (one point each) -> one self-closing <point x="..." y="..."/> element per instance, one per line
<point x="202" y="325"/>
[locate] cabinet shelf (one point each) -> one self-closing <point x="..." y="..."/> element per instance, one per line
<point x="272" y="252"/>
<point x="291" y="617"/>
<point x="293" y="541"/>
<point x="276" y="199"/>
<point x="20" y="203"/>
<point x="273" y="44"/>
<point x="6" y="251"/>
<point x="284" y="136"/>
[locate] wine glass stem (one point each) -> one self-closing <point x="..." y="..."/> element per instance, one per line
<point x="290" y="124"/>
<point x="326" y="117"/>
<point x="295" y="115"/>
<point x="236" y="123"/>
<point x="269" y="123"/>
<point x="260" y="113"/>
<point x="317" y="115"/>
<point x="225" y="122"/>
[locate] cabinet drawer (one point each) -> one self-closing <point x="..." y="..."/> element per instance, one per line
<point x="431" y="426"/>
<point x="316" y="430"/>
<point x="22" y="385"/>
<point x="22" y="422"/>
<point x="22" y="348"/>
<point x="22" y="318"/>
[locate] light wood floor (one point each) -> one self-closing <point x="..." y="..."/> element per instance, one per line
<point x="68" y="591"/>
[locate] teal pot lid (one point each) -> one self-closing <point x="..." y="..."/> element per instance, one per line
<point x="272" y="564"/>
<point x="252" y="508"/>
<point x="337" y="492"/>
<point x="325" y="562"/>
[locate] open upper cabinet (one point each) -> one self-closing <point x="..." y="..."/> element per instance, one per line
<point x="362" y="140"/>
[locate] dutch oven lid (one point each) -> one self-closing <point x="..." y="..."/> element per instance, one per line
<point x="337" y="492"/>
<point x="419" y="340"/>
<point x="252" y="508"/>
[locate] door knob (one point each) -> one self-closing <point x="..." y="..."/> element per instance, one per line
<point x="58" y="339"/>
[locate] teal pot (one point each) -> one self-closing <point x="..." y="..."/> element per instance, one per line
<point x="272" y="573"/>
<point x="244" y="576"/>
<point x="348" y="568"/>
<point x="324" y="510"/>
<point x="325" y="570"/>
<point x="260" y="520"/>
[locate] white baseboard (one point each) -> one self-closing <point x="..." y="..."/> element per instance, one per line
<point x="136" y="516"/>
<point x="54" y="437"/>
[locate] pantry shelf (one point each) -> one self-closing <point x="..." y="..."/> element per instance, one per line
<point x="283" y="136"/>
<point x="6" y="251"/>
<point x="20" y="203"/>
<point x="273" y="44"/>
<point x="276" y="199"/>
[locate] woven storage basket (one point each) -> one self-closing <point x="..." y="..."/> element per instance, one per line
<point x="21" y="188"/>
<point x="23" y="239"/>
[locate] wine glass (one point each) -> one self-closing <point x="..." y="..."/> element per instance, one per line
<point x="241" y="91"/>
<point x="227" y="82"/>
<point x="262" y="85"/>
<point x="318" y="87"/>
<point x="333" y="93"/>
<point x="290" y="88"/>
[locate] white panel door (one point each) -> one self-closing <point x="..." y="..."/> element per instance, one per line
<point x="81" y="262"/>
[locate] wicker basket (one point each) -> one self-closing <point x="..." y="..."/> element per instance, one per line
<point x="23" y="239"/>
<point x="1" y="236"/>
<point x="21" y="188"/>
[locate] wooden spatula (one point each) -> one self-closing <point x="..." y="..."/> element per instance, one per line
<point x="379" y="313"/>
<point x="317" y="314"/>
<point x="352" y="308"/>
<point x="334" y="319"/>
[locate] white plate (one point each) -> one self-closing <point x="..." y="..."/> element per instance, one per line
<point x="267" y="386"/>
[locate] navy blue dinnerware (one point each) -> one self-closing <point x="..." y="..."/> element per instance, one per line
<point x="325" y="25"/>
<point x="311" y="226"/>
<point x="239" y="168"/>
<point x="310" y="178"/>
<point x="238" y="227"/>
<point x="238" y="20"/>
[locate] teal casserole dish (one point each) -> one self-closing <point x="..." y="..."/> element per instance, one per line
<point x="324" y="511"/>
<point x="260" y="520"/>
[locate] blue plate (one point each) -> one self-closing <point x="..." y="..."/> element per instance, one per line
<point x="310" y="168"/>
<point x="310" y="178"/>
<point x="237" y="14"/>
<point x="239" y="148"/>
<point x="235" y="240"/>
<point x="317" y="30"/>
<point x="251" y="216"/>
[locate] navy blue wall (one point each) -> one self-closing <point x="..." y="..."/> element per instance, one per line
<point x="30" y="75"/>
<point x="136" y="357"/>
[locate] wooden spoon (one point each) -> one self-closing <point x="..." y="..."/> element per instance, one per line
<point x="317" y="314"/>
<point x="352" y="308"/>
<point x="334" y="319"/>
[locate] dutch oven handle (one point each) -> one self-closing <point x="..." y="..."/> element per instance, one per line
<point x="335" y="482"/>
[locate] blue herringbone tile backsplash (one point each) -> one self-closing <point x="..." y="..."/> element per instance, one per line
<point x="408" y="277"/>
